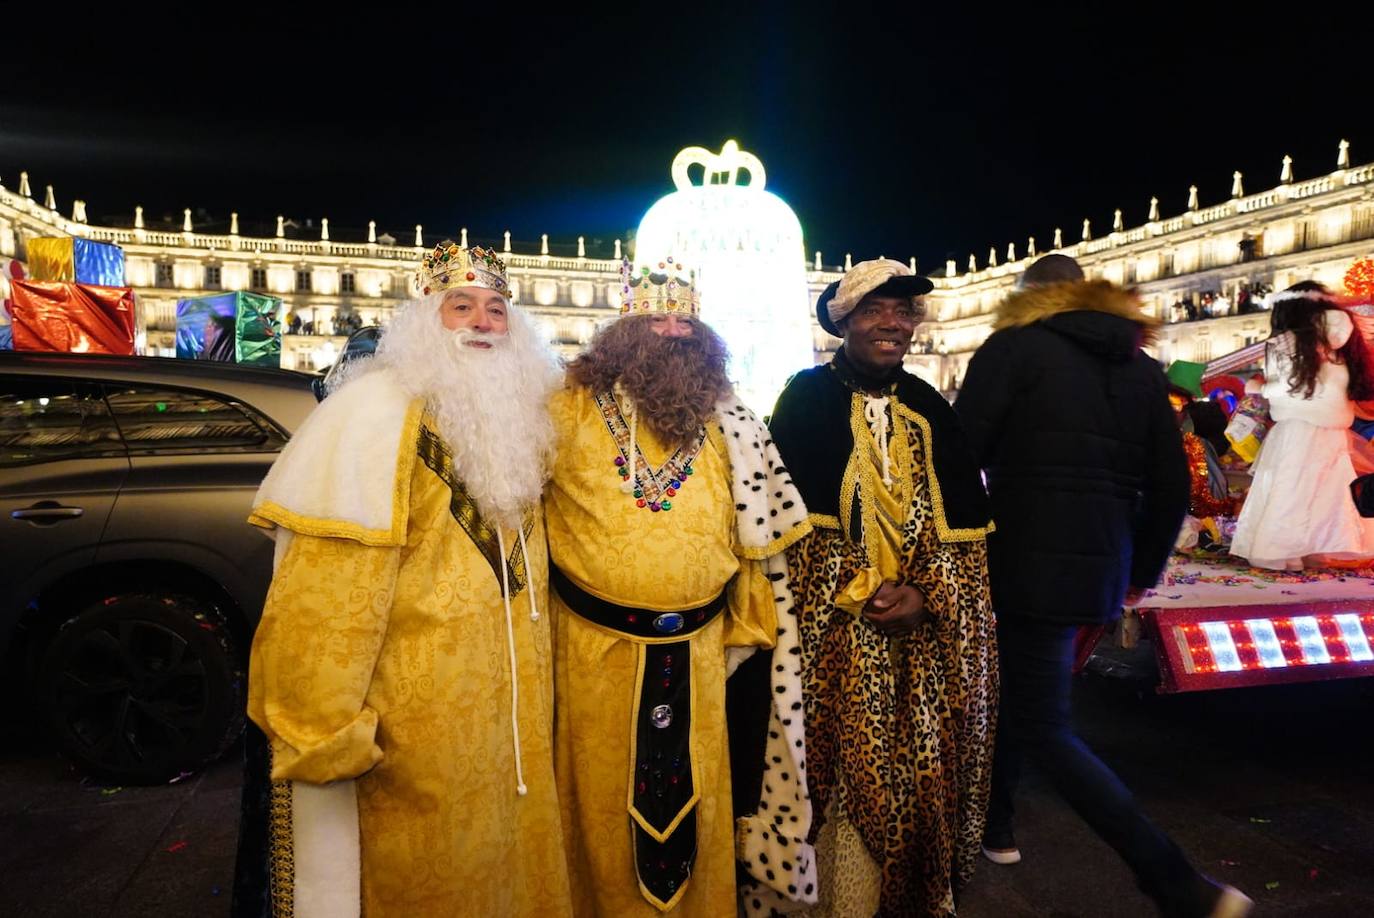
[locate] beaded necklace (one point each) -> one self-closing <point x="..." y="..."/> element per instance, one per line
<point x="651" y="490"/>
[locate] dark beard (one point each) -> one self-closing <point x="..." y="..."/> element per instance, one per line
<point x="674" y="382"/>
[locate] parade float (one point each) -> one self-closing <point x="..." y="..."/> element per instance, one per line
<point x="1216" y="622"/>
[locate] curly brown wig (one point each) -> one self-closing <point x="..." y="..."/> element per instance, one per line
<point x="1304" y="318"/>
<point x="674" y="382"/>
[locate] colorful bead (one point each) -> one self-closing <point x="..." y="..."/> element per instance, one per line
<point x="671" y="492"/>
<point x="639" y="492"/>
<point x="675" y="483"/>
<point x="664" y="505"/>
<point x="632" y="618"/>
<point x="689" y="470"/>
<point x="619" y="460"/>
<point x="641" y="503"/>
<point x="472" y="276"/>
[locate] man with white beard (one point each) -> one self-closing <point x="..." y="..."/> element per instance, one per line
<point x="402" y="671"/>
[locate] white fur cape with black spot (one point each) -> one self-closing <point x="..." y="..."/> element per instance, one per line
<point x="770" y="516"/>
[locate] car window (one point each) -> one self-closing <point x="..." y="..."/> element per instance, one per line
<point x="172" y="420"/>
<point x="49" y="419"/>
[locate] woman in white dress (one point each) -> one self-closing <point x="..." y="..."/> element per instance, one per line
<point x="1299" y="508"/>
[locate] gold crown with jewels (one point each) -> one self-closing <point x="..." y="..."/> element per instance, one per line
<point x="662" y="289"/>
<point x="451" y="265"/>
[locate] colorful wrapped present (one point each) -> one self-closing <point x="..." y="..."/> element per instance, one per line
<point x="1249" y="425"/>
<point x="72" y="318"/>
<point x="238" y="327"/>
<point x="71" y="258"/>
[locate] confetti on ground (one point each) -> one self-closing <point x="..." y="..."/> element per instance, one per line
<point x="181" y="777"/>
<point x="1258" y="821"/>
<point x="1272" y="884"/>
<point x="1312" y="874"/>
<point x="181" y="845"/>
<point x="110" y="791"/>
<point x="214" y="890"/>
<point x="1226" y="863"/>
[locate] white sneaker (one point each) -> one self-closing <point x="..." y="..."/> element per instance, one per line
<point x="1008" y="856"/>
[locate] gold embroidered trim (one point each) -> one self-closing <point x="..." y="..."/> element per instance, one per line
<point x="270" y="514"/>
<point x="689" y="809"/>
<point x="778" y="545"/>
<point x="822" y="521"/>
<point x="860" y="467"/>
<point x="281" y="855"/>
<point x="849" y="484"/>
<point x="652" y="483"/>
<point x="942" y="526"/>
<point x="437" y="457"/>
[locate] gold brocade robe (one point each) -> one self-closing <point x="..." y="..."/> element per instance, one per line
<point x="389" y="665"/>
<point x="665" y="561"/>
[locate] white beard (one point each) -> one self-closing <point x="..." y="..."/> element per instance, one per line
<point x="490" y="406"/>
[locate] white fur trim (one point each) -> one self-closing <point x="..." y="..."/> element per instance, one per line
<point x="342" y="463"/>
<point x="770" y="514"/>
<point x="767" y="504"/>
<point x="772" y="841"/>
<point x="326" y="849"/>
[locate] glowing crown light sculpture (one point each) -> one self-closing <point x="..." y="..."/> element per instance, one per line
<point x="746" y="246"/>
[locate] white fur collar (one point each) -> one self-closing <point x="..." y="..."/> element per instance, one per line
<point x="346" y="471"/>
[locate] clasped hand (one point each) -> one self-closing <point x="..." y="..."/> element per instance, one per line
<point x="896" y="609"/>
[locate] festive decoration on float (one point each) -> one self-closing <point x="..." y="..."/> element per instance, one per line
<point x="73" y="318"/>
<point x="1359" y="279"/>
<point x="237" y="327"/>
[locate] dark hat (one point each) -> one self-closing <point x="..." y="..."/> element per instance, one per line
<point x="881" y="277"/>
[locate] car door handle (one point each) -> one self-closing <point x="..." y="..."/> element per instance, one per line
<point x="47" y="512"/>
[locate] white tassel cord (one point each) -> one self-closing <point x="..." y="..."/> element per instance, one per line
<point x="875" y="413"/>
<point x="529" y="578"/>
<point x="520" y="787"/>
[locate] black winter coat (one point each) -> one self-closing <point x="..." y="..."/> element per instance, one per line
<point x="1084" y="460"/>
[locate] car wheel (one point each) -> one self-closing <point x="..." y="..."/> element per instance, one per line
<point x="141" y="687"/>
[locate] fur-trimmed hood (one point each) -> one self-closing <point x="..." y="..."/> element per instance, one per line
<point x="1039" y="303"/>
<point x="1098" y="314"/>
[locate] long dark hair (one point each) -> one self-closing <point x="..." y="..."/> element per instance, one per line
<point x="1303" y="316"/>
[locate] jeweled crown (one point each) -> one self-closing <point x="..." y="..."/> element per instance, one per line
<point x="664" y="288"/>
<point x="451" y="265"/>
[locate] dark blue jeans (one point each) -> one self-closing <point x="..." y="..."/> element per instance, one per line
<point x="1034" y="723"/>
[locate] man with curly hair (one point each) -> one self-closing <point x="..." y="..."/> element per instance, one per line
<point x="667" y="516"/>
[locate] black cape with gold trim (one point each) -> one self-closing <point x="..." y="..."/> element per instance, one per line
<point x="811" y="430"/>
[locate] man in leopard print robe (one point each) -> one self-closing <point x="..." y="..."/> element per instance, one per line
<point x="898" y="654"/>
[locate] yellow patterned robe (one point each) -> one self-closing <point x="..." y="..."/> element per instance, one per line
<point x="387" y="665"/>
<point x="665" y="561"/>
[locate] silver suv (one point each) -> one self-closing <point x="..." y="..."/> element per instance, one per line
<point x="130" y="583"/>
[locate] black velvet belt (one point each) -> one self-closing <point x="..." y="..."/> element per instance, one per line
<point x="664" y="793"/>
<point x="632" y="622"/>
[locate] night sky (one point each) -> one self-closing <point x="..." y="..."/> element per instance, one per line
<point x="931" y="133"/>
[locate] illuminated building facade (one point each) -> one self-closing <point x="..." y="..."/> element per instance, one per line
<point x="1209" y="258"/>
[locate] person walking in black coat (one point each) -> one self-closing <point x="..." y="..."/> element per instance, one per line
<point x="1071" y="421"/>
